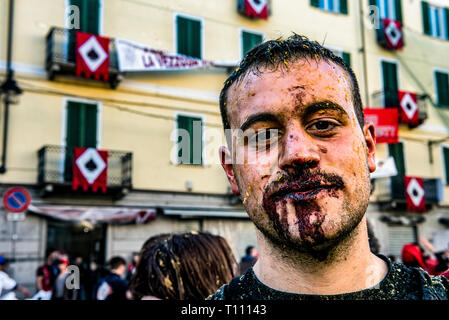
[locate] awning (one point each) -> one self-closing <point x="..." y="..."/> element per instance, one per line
<point x="114" y="215"/>
<point x="202" y="212"/>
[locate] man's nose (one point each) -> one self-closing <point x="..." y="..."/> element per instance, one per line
<point x="298" y="151"/>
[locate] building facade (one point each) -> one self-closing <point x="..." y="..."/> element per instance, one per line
<point x="137" y="116"/>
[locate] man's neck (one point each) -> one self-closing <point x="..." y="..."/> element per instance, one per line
<point x="350" y="266"/>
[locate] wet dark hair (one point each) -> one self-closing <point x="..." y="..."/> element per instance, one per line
<point x="275" y="54"/>
<point x="187" y="266"/>
<point x="116" y="262"/>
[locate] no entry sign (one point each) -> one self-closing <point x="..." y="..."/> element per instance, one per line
<point x="16" y="200"/>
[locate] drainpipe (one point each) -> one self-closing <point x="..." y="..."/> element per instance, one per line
<point x="8" y="85"/>
<point x="363" y="50"/>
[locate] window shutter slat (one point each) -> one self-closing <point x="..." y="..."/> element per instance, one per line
<point x="397" y="182"/>
<point x="344" y="6"/>
<point x="390" y="84"/>
<point x="446" y="163"/>
<point x="398" y="7"/>
<point x="189" y="37"/>
<point x="425" y="17"/>
<point x="91" y="112"/>
<point x="442" y="89"/>
<point x="315" y="3"/>
<point x="446" y="13"/>
<point x="346" y="56"/>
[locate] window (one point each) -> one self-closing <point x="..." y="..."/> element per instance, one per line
<point x="435" y="21"/>
<point x="388" y="9"/>
<point x="442" y="88"/>
<point x="338" y="6"/>
<point x="446" y="164"/>
<point x="89" y="15"/>
<point x="250" y="40"/>
<point x="397" y="182"/>
<point x="189" y="36"/>
<point x="346" y="56"/>
<point x="81" y="130"/>
<point x="190" y="139"/>
<point x="390" y="84"/>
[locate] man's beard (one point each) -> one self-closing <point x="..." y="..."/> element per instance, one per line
<point x="307" y="235"/>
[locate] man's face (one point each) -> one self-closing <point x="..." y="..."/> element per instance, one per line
<point x="309" y="188"/>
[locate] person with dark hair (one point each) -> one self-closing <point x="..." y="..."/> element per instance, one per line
<point x="300" y="156"/>
<point x="46" y="275"/>
<point x="132" y="266"/>
<point x="249" y="259"/>
<point x="187" y="266"/>
<point x="60" y="290"/>
<point x="372" y="239"/>
<point x="114" y="287"/>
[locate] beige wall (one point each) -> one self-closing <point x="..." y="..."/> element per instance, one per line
<point x="37" y="120"/>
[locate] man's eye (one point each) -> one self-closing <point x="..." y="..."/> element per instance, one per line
<point x="323" y="126"/>
<point x="263" y="138"/>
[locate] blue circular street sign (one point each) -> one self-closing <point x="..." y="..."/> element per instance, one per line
<point x="16" y="200"/>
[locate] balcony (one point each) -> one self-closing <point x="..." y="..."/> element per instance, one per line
<point x="387" y="99"/>
<point x="61" y="55"/>
<point x="55" y="169"/>
<point x="392" y="194"/>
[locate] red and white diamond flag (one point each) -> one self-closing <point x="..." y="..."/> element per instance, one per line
<point x="90" y="169"/>
<point x="415" y="194"/>
<point x="409" y="107"/>
<point x="393" y="34"/>
<point x="256" y="8"/>
<point x="92" y="56"/>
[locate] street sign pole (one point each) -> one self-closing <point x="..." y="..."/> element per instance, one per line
<point x="16" y="202"/>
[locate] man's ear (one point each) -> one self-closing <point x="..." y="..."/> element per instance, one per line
<point x="226" y="163"/>
<point x="370" y="137"/>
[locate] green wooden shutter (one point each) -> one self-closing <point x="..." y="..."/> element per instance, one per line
<point x="344" y="6"/>
<point x="425" y="17"/>
<point x="346" y="56"/>
<point x="446" y="12"/>
<point x="446" y="163"/>
<point x="92" y="22"/>
<point x="249" y="41"/>
<point x="442" y="85"/>
<point x="189" y="37"/>
<point x="89" y="15"/>
<point x="390" y="83"/>
<point x="187" y="123"/>
<point x="90" y="126"/>
<point x="372" y="3"/>
<point x="315" y="3"/>
<point x="397" y="182"/>
<point x="398" y="7"/>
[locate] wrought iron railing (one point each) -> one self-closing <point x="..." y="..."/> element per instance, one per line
<point x="61" y="55"/>
<point x="390" y="99"/>
<point x="55" y="167"/>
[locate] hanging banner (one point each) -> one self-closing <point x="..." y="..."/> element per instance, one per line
<point x="90" y="169"/>
<point x="135" y="57"/>
<point x="391" y="36"/>
<point x="384" y="168"/>
<point x="386" y="122"/>
<point x="92" y="56"/>
<point x="409" y="108"/>
<point x="256" y="9"/>
<point x="415" y="194"/>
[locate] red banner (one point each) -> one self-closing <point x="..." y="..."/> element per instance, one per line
<point x="90" y="169"/>
<point x="415" y="194"/>
<point x="256" y="9"/>
<point x="394" y="38"/>
<point x="92" y="56"/>
<point x="386" y="122"/>
<point x="409" y="108"/>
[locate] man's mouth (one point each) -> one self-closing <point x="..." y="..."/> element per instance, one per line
<point x="303" y="191"/>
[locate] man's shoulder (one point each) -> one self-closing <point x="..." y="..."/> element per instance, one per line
<point x="421" y="284"/>
<point x="229" y="291"/>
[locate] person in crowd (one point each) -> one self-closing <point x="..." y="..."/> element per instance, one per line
<point x="186" y="266"/>
<point x="9" y="284"/>
<point x="81" y="265"/>
<point x="46" y="276"/>
<point x="62" y="290"/>
<point x="114" y="286"/>
<point x="132" y="265"/>
<point x="300" y="153"/>
<point x="249" y="259"/>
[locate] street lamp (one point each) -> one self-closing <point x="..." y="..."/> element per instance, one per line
<point x="10" y="90"/>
